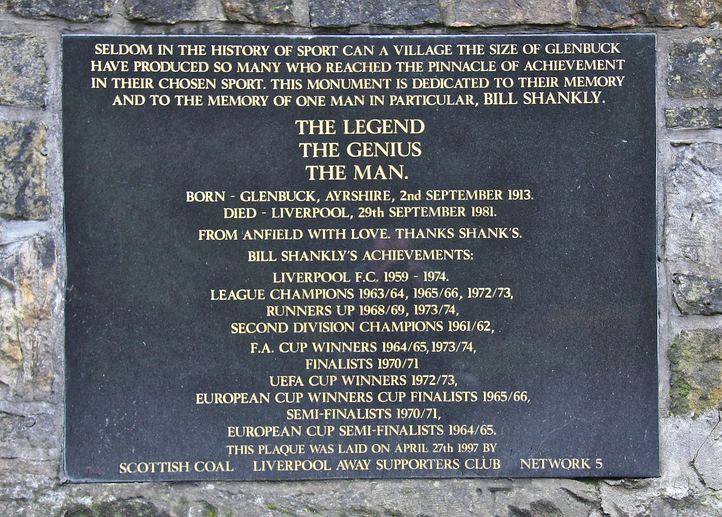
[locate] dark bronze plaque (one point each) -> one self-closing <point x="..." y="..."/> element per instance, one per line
<point x="360" y="257"/>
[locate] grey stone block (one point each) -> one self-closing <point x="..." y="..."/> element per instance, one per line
<point x="697" y="295"/>
<point x="260" y="11"/>
<point x="692" y="229"/>
<point x="695" y="69"/>
<point x="693" y="118"/>
<point x="630" y="13"/>
<point x="671" y="497"/>
<point x="24" y="193"/>
<point x="29" y="436"/>
<point x="74" y="10"/>
<point x="345" y="13"/>
<point x="172" y="11"/>
<point x="468" y="13"/>
<point x="22" y="71"/>
<point x="696" y="371"/>
<point x="708" y="460"/>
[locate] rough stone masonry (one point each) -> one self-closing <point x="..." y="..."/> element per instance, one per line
<point x="32" y="266"/>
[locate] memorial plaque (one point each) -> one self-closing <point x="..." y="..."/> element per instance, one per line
<point x="360" y="257"/>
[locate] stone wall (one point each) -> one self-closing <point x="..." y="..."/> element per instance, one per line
<point x="32" y="265"/>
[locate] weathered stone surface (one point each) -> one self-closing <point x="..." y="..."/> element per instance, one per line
<point x="28" y="274"/>
<point x="632" y="505"/>
<point x="625" y="13"/>
<point x="261" y="11"/>
<point x="24" y="193"/>
<point x="467" y="13"/>
<point x="680" y="439"/>
<point x="543" y="498"/>
<point x="27" y="488"/>
<point x="680" y="491"/>
<point x="695" y="69"/>
<point x="697" y="295"/>
<point x="172" y="11"/>
<point x="137" y="508"/>
<point x="202" y="509"/>
<point x="696" y="371"/>
<point x="344" y="13"/>
<point x="692" y="506"/>
<point x="694" y="118"/>
<point x="29" y="436"/>
<point x="75" y="10"/>
<point x="22" y="71"/>
<point x="23" y="479"/>
<point x="708" y="460"/>
<point x="693" y="188"/>
<point x="450" y="498"/>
